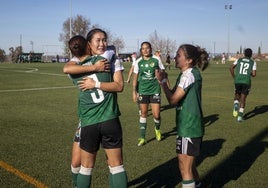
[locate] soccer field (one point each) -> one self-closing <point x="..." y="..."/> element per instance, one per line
<point x="38" y="117"/>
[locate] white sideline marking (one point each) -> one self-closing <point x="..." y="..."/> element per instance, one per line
<point x="35" y="89"/>
<point x="31" y="70"/>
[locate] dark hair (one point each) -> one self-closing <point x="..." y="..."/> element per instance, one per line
<point x="150" y="46"/>
<point x="198" y="55"/>
<point x="94" y="31"/>
<point x="78" y="45"/>
<point x="248" y="52"/>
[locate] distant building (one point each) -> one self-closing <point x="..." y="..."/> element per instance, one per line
<point x="30" y="57"/>
<point x="125" y="56"/>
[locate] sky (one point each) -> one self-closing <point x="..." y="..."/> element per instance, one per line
<point x="37" y="24"/>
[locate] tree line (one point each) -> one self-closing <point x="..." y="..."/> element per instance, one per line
<point x="80" y="25"/>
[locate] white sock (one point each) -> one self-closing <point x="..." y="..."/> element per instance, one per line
<point x="116" y="169"/>
<point x="188" y="185"/>
<point x="75" y="170"/>
<point x="85" y="171"/>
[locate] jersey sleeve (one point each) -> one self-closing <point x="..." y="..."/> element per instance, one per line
<point x="235" y="62"/>
<point x="108" y="54"/>
<point x="117" y="65"/>
<point x="136" y="66"/>
<point x="254" y="66"/>
<point x="75" y="59"/>
<point x="186" y="80"/>
<point x="160" y="64"/>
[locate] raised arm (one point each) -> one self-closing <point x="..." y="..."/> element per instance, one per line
<point x="73" y="68"/>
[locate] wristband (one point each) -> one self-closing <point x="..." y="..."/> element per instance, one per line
<point x="164" y="81"/>
<point x="97" y="84"/>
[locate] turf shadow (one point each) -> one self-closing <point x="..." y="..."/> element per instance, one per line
<point x="256" y="111"/>
<point x="208" y="120"/>
<point x="237" y="163"/>
<point x="167" y="174"/>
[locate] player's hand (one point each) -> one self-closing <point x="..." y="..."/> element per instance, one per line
<point x="135" y="96"/>
<point x="160" y="75"/>
<point x="164" y="74"/>
<point x="86" y="83"/>
<point x="102" y="66"/>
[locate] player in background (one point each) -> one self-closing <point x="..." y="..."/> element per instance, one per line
<point x="149" y="90"/>
<point x="78" y="48"/>
<point x="168" y="61"/>
<point x="134" y="58"/>
<point x="223" y="58"/>
<point x="242" y="70"/>
<point x="186" y="96"/>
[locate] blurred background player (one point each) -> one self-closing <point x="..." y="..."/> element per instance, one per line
<point x="242" y="70"/>
<point x="133" y="58"/>
<point x="168" y="61"/>
<point x="149" y="90"/>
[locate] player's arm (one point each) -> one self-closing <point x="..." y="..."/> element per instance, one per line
<point x="232" y="67"/>
<point x="130" y="73"/>
<point x="134" y="87"/>
<point x="253" y="73"/>
<point x="135" y="80"/>
<point x="73" y="68"/>
<point x="116" y="86"/>
<point x="173" y="98"/>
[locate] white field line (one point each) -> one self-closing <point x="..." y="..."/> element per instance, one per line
<point x="35" y="89"/>
<point x="34" y="71"/>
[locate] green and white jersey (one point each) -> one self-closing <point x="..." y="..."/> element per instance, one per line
<point x="243" y="69"/>
<point x="108" y="54"/>
<point x="95" y="105"/>
<point x="189" y="115"/>
<point x="148" y="84"/>
<point x="77" y="77"/>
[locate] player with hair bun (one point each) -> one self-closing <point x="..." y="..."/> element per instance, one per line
<point x="186" y="96"/>
<point x="82" y="57"/>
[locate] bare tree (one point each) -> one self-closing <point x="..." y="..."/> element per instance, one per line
<point x="15" y="53"/>
<point x="112" y="39"/>
<point x="2" y="55"/>
<point x="160" y="43"/>
<point x="80" y="26"/>
<point x="119" y="43"/>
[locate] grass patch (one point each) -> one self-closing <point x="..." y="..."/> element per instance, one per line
<point x="38" y="118"/>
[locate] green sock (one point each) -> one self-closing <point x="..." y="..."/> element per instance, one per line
<point x="118" y="180"/>
<point x="143" y="129"/>
<point x="83" y="181"/>
<point x="74" y="174"/>
<point x="74" y="178"/>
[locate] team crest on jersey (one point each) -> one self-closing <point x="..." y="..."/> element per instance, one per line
<point x="152" y="64"/>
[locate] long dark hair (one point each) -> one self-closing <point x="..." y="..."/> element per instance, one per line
<point x="198" y="55"/>
<point x="78" y="45"/>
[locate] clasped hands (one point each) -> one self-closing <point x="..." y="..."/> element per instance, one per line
<point x="102" y="65"/>
<point x="161" y="75"/>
